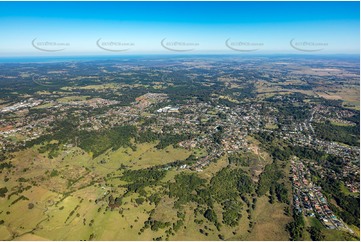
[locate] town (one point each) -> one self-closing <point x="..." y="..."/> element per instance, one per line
<point x="230" y="138"/>
<point x="308" y="198"/>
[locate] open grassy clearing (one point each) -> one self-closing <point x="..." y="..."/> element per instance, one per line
<point x="340" y="124"/>
<point x="70" y="175"/>
<point x="264" y="217"/>
<point x="93" y="87"/>
<point x="350" y="95"/>
<point x="329" y="234"/>
<point x="145" y="155"/>
<point x="337" y="235"/>
<point x="271" y="126"/>
<point x="72" y="99"/>
<point x="46" y="105"/>
<point x="190" y="230"/>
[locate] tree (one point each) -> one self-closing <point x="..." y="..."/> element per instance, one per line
<point x="3" y="191"/>
<point x="316" y="234"/>
<point x="210" y="215"/>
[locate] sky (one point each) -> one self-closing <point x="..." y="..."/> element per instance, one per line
<point x="124" y="28"/>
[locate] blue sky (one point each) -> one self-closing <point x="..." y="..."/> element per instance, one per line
<point x="73" y="28"/>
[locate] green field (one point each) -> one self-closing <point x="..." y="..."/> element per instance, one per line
<point x="62" y="192"/>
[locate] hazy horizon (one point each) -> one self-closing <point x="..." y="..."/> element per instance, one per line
<point x="139" y="28"/>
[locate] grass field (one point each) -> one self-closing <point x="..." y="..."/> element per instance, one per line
<point x="72" y="99"/>
<point x="265" y="227"/>
<point x="46" y="105"/>
<point x="63" y="191"/>
<point x="345" y="190"/>
<point x="350" y="96"/>
<point x="56" y="194"/>
<point x="329" y="234"/>
<point x="146" y="155"/>
<point x="340" y="124"/>
<point x="94" y="87"/>
<point x="337" y="235"/>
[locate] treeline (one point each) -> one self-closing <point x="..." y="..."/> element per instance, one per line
<point x="229" y="184"/>
<point x="52" y="148"/>
<point x="315" y="233"/>
<point x="345" y="134"/>
<point x="146" y="136"/>
<point x="139" y="179"/>
<point x="232" y="212"/>
<point x="98" y="142"/>
<point x="268" y="182"/>
<point x="186" y="188"/>
<point x="239" y="159"/>
<point x="5" y="165"/>
<point x="272" y="143"/>
<point x="2" y="156"/>
<point x="296" y="227"/>
<point x="288" y="106"/>
<point x="225" y="188"/>
<point x="350" y="205"/>
<point x="281" y="192"/>
<point x="355" y="118"/>
<point x="298" y="113"/>
<point x="170" y="139"/>
<point x="181" y="93"/>
<point x="63" y="131"/>
<point x="164" y="139"/>
<point x="282" y="151"/>
<point x="3" y="191"/>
